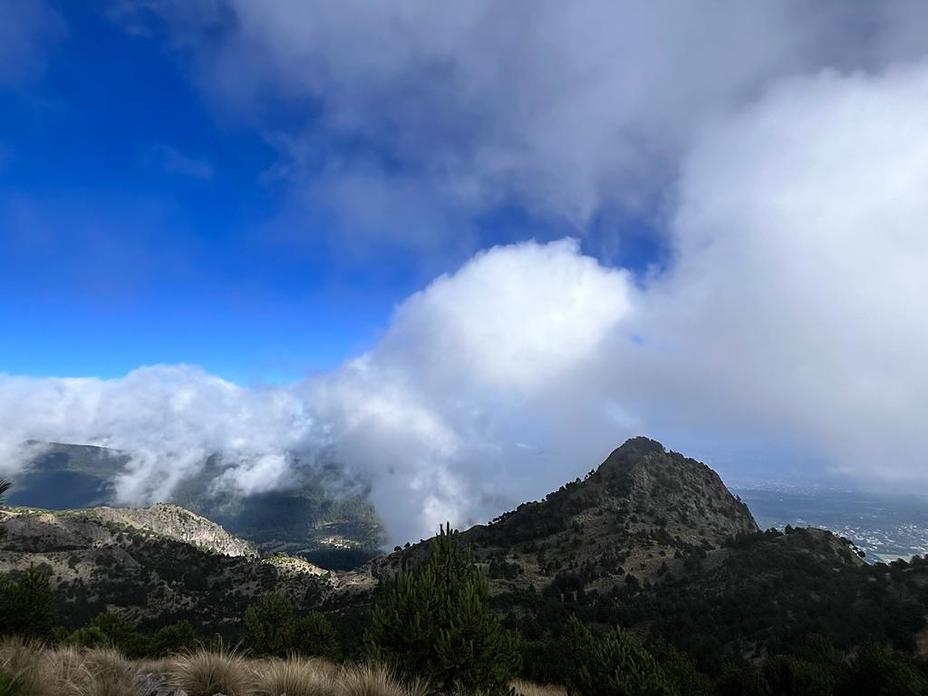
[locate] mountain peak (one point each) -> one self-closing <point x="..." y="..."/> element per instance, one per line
<point x="642" y="512"/>
<point x="636" y="446"/>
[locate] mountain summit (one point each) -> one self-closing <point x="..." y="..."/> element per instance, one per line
<point x="642" y="512"/>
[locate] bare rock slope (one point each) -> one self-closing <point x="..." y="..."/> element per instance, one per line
<point x="159" y="561"/>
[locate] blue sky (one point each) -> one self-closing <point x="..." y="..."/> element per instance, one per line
<point x="135" y="226"/>
<point x="469" y="246"/>
<point x="144" y="219"/>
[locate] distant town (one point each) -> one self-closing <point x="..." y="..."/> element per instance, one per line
<point x="885" y="526"/>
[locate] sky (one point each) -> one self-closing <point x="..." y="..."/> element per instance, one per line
<point x="467" y="249"/>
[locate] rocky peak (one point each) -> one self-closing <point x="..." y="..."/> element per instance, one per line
<point x="643" y="511"/>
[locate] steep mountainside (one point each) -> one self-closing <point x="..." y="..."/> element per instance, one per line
<point x="653" y="540"/>
<point x="153" y="563"/>
<point x="642" y="512"/>
<point x="324" y="516"/>
<point x="650" y="540"/>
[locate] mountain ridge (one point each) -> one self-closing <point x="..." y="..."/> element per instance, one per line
<point x="324" y="515"/>
<point x="650" y="540"/>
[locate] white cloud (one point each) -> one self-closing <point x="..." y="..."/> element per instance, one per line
<point x="168" y="417"/>
<point x="565" y="109"/>
<point x="794" y="144"/>
<point x="435" y="416"/>
<point x="801" y="242"/>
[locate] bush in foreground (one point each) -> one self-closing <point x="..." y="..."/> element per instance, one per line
<point x="434" y="622"/>
<point x="614" y="664"/>
<point x="26" y="602"/>
<point x="272" y="628"/>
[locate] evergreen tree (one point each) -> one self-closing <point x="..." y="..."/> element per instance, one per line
<point x="109" y="629"/>
<point x="883" y="672"/>
<point x="434" y="621"/>
<point x="172" y="639"/>
<point x="314" y="634"/>
<point x="786" y="675"/>
<point x="615" y="664"/>
<point x="26" y="604"/>
<point x="269" y="626"/>
<point x="272" y="628"/>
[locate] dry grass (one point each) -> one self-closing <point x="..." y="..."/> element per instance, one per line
<point x="67" y="671"/>
<point x="296" y="677"/>
<point x="20" y="658"/>
<point x="70" y="671"/>
<point x="204" y="673"/>
<point x="374" y="680"/>
<point x="523" y="688"/>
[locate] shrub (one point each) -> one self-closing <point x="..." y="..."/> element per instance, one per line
<point x="740" y="680"/>
<point x="614" y="664"/>
<point x="314" y="634"/>
<point x="880" y="671"/>
<point x="26" y="604"/>
<point x="786" y="675"/>
<point x="109" y="629"/>
<point x="434" y="621"/>
<point x="271" y="628"/>
<point x="681" y="672"/>
<point x="172" y="639"/>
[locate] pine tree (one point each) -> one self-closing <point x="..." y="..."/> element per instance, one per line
<point x="272" y="628"/>
<point x="434" y="621"/>
<point x="615" y="664"/>
<point x="26" y="604"/>
<point x="269" y="626"/>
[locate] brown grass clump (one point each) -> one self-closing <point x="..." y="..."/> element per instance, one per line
<point x="20" y="658"/>
<point x="375" y="680"/>
<point x="61" y="672"/>
<point x="204" y="673"/>
<point x="161" y="666"/>
<point x="297" y="676"/>
<point x="67" y="671"/>
<point x="524" y="688"/>
<point x="111" y="674"/>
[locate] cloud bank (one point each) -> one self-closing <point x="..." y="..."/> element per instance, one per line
<point x="779" y="150"/>
<point x="420" y="116"/>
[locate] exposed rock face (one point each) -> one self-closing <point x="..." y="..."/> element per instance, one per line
<point x="156" y="561"/>
<point x="44" y="530"/>
<point x="641" y="512"/>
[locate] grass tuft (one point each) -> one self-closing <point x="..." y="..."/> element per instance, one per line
<point x="297" y="676"/>
<point x="375" y="680"/>
<point x="524" y="688"/>
<point x="204" y="673"/>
